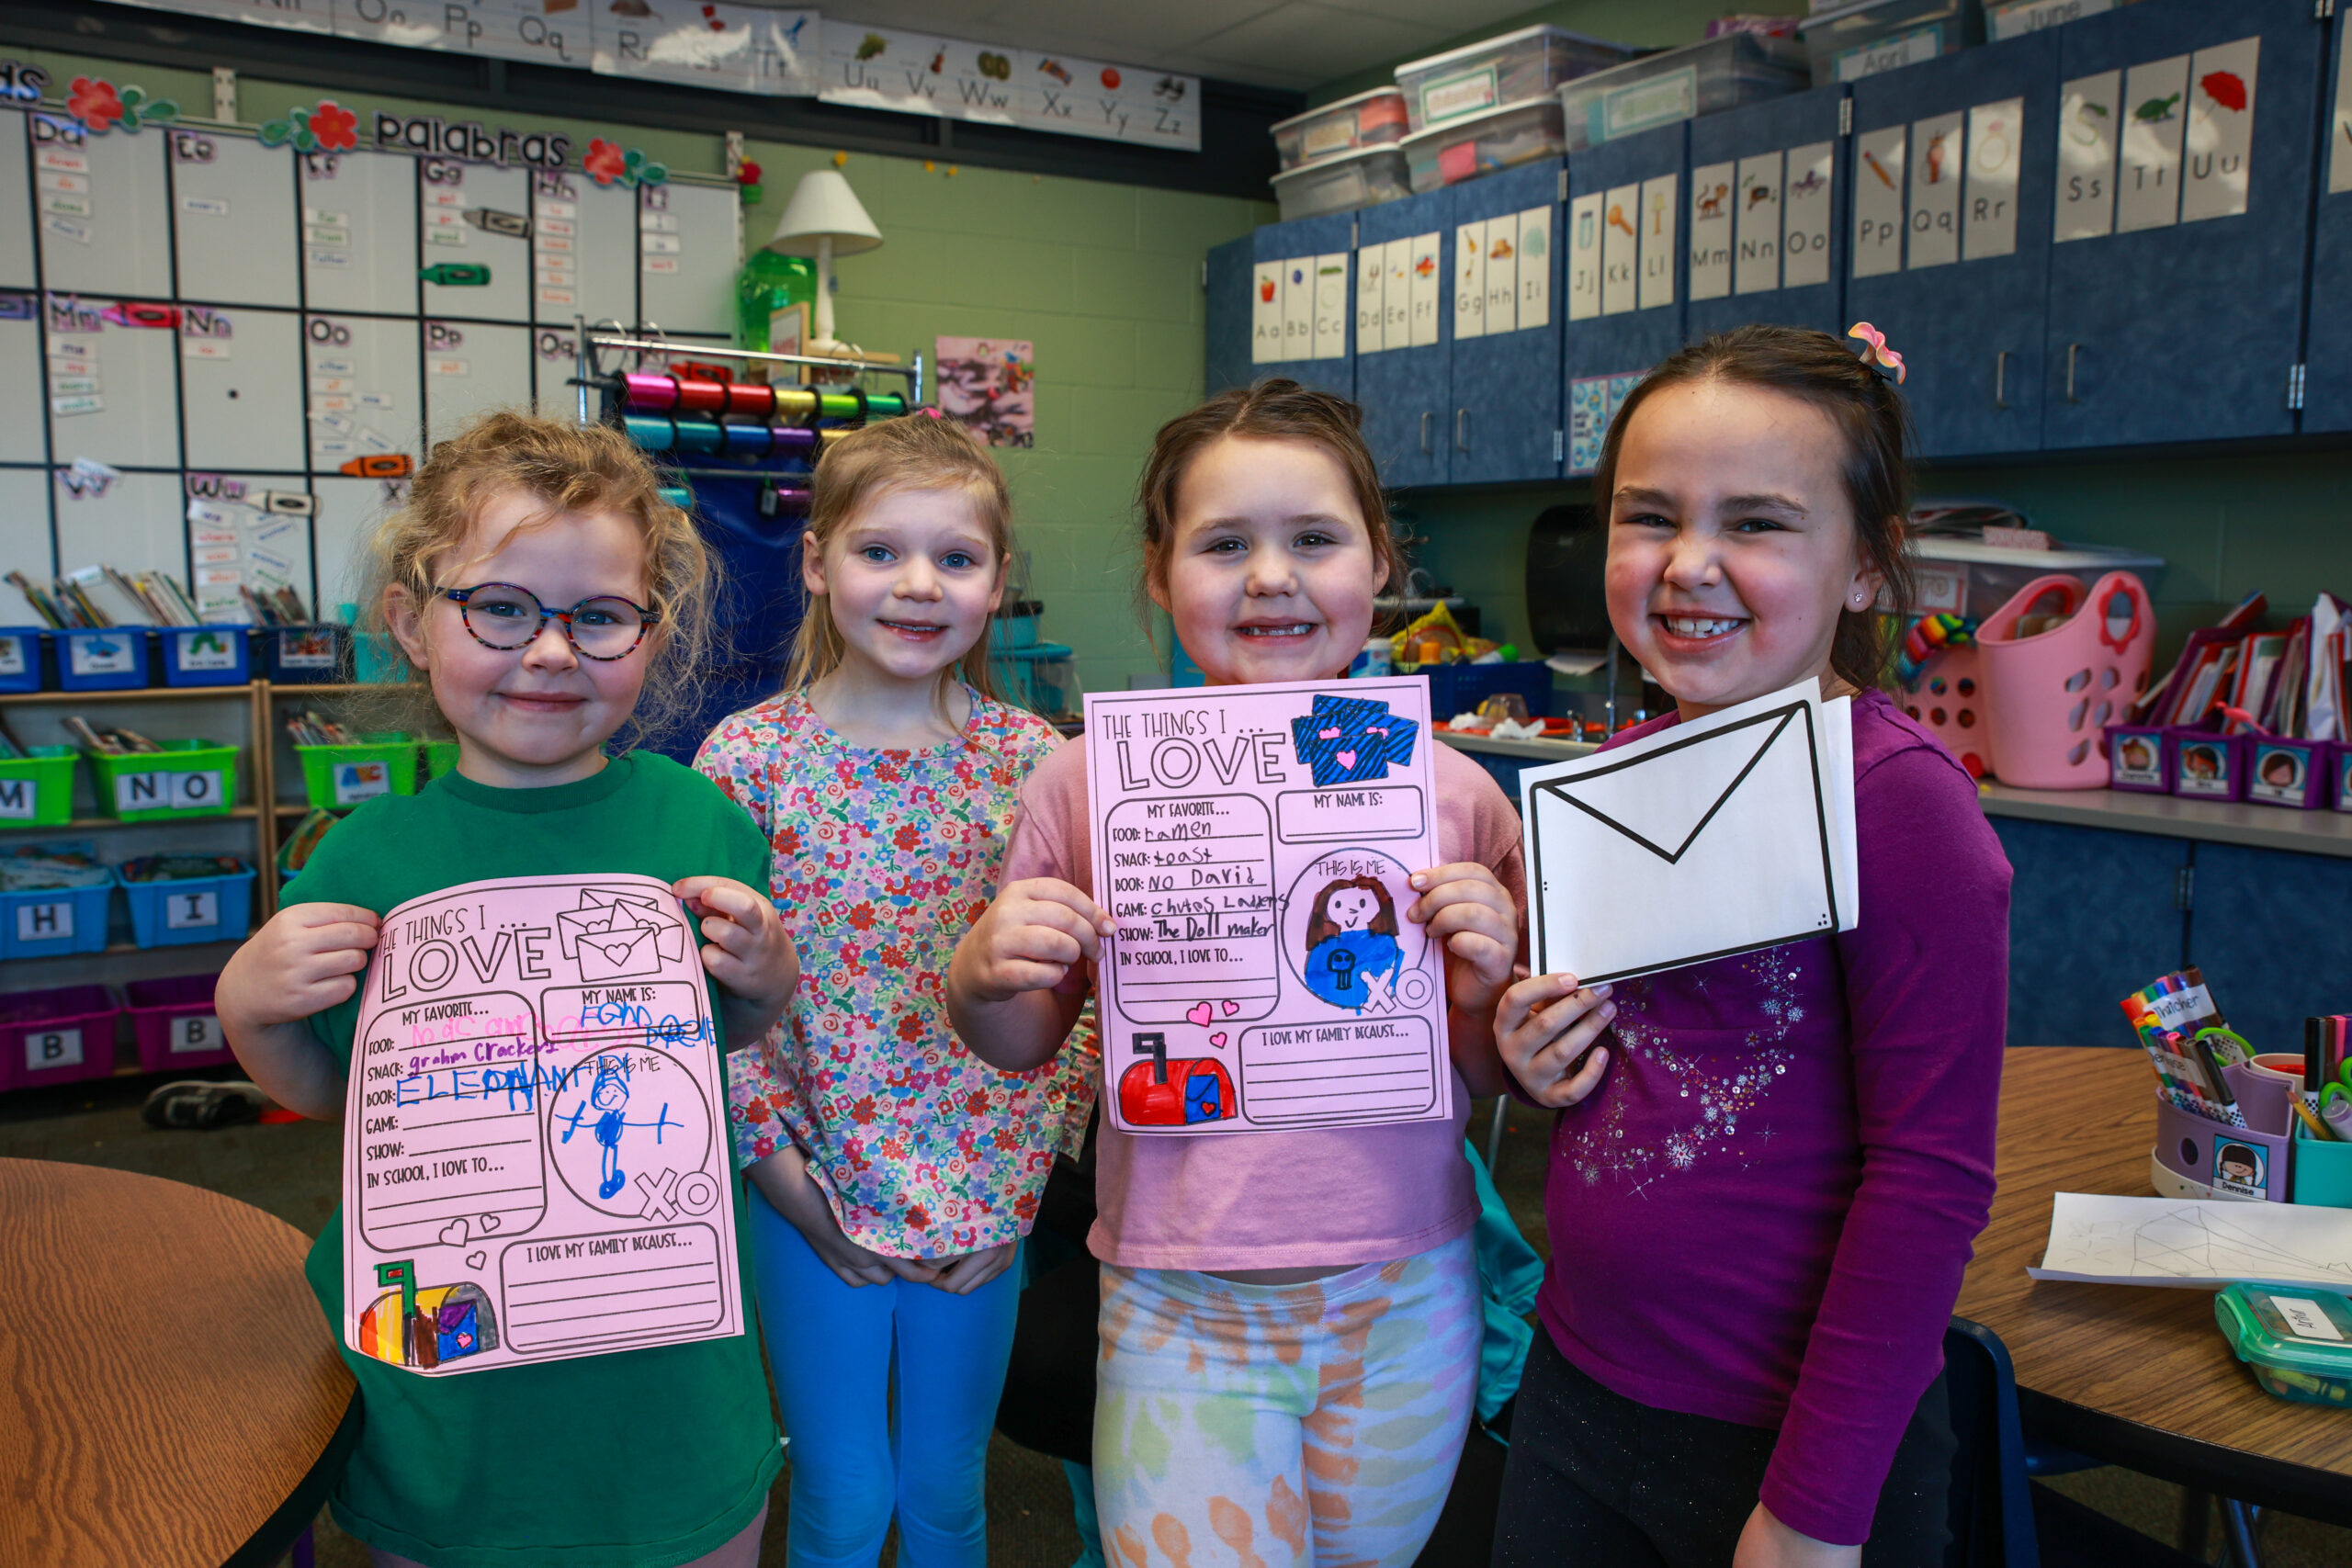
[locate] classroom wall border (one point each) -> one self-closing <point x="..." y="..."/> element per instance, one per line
<point x="1237" y="155"/>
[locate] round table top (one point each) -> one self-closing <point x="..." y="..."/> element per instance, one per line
<point x="2142" y="1371"/>
<point x="166" y="1378"/>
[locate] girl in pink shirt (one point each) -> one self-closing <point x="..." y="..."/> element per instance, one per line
<point x="1290" y="1320"/>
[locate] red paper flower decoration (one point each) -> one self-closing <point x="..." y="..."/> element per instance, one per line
<point x="95" y="104"/>
<point x="603" y="162"/>
<point x="336" y="128"/>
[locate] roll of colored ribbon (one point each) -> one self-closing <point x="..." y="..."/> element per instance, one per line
<point x="700" y="435"/>
<point x="653" y="431"/>
<point x="746" y="440"/>
<point x="699" y="396"/>
<point x="792" y="501"/>
<point x="791" y="441"/>
<point x="655" y="394"/>
<point x="751" y="400"/>
<point x="796" y="403"/>
<point x="838" y="405"/>
<point x="885" y="405"/>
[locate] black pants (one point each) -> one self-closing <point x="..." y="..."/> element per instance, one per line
<point x="1601" y="1480"/>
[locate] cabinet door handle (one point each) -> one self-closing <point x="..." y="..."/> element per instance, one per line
<point x="1462" y="430"/>
<point x="2001" y="379"/>
<point x="1426" y="417"/>
<point x="2072" y="349"/>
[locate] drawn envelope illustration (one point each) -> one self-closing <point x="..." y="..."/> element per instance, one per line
<point x="617" y="936"/>
<point x="1709" y="839"/>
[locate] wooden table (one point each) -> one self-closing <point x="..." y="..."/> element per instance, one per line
<point x="169" y="1392"/>
<point x="2136" y="1375"/>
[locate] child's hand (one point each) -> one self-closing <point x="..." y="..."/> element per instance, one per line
<point x="962" y="1276"/>
<point x="749" y="951"/>
<point x="1471" y="913"/>
<point x="783" y="1179"/>
<point x="1027" y="940"/>
<point x="305" y="960"/>
<point x="1765" y="1542"/>
<point x="1543" y="1026"/>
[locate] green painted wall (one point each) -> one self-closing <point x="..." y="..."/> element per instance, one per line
<point x="1105" y="279"/>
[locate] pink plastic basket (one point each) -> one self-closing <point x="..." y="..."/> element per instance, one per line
<point x="1948" y="699"/>
<point x="2050" y="695"/>
<point x="174" y="1024"/>
<point x="56" y="1035"/>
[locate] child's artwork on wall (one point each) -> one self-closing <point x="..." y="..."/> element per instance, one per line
<point x="1252" y="845"/>
<point x="990" y="386"/>
<point x="534" y="1151"/>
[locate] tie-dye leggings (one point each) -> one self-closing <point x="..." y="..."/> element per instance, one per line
<point x="1234" y="1421"/>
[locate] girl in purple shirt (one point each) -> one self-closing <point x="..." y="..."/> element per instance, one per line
<point x="1767" y="1169"/>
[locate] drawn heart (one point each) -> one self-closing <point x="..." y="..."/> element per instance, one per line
<point x="1330" y="734"/>
<point x="1230" y="1008"/>
<point x="615" y="951"/>
<point x="1217" y="1039"/>
<point x="454" y="1234"/>
<point x="1347" y="759"/>
<point x="477" y="1259"/>
<point x="489" y="1222"/>
<point x="1199" y="1014"/>
<point x="1376" y="729"/>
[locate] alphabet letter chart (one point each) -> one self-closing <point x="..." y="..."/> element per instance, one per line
<point x="534" y="1146"/>
<point x="1252" y="846"/>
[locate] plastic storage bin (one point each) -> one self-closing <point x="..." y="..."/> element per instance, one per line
<point x="187" y="778"/>
<point x="2296" y="1341"/>
<point x="37" y="791"/>
<point x="2339" y="773"/>
<point x="2051" y="690"/>
<point x="1970" y="579"/>
<point x="1477" y="77"/>
<point x="2292" y="773"/>
<point x="21" y="659"/>
<point x="174" y="1024"/>
<point x="1368" y="120"/>
<point x="206" y="655"/>
<point x="56" y="1035"/>
<point x="2206" y="766"/>
<point x="192" y="909"/>
<point x="1465" y="149"/>
<point x="307" y="655"/>
<point x="1682" y="83"/>
<point x="1460" y="688"/>
<point x="337" y="777"/>
<point x="53" y="923"/>
<point x="1343" y="183"/>
<point x="2139" y="757"/>
<point x="1848" y="44"/>
<point x="2196" y="1156"/>
<point x="114" y="659"/>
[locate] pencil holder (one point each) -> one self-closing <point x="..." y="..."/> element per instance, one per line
<point x="2052" y="689"/>
<point x="2292" y="773"/>
<point x="2197" y="1157"/>
<point x="2323" y="1172"/>
<point x="2139" y="757"/>
<point x="2206" y="766"/>
<point x="1947" y="701"/>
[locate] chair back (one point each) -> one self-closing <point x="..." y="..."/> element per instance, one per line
<point x="1992" y="1511"/>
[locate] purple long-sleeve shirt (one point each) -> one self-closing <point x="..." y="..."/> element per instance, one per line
<point x="1762" y="1213"/>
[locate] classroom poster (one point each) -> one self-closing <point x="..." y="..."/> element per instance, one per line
<point x="536" y="1160"/>
<point x="989" y="386"/>
<point x="1252" y="846"/>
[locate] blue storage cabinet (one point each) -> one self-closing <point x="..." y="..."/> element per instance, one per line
<point x="1612" y="338"/>
<point x="1407" y="392"/>
<point x="2187" y="331"/>
<point x="2269" y="929"/>
<point x="2327" y="392"/>
<point x="1966" y="309"/>
<point x="1226" y="363"/>
<point x="1505" y="381"/>
<point x="2093" y="915"/>
<point x="1794" y="149"/>
<point x="1294" y="249"/>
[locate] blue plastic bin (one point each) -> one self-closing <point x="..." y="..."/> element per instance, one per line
<point x="19" y="659"/>
<point x="307" y="655"/>
<point x="53" y="922"/>
<point x="192" y="909"/>
<point x="206" y="655"/>
<point x="113" y="659"/>
<point x="1460" y="688"/>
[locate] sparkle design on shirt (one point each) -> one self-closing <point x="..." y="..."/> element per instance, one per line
<point x="1715" y="1090"/>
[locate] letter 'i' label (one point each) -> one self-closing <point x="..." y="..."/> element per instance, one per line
<point x="1535" y="267"/>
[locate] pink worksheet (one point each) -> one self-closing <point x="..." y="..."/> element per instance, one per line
<point x="535" y="1159"/>
<point x="1253" y="844"/>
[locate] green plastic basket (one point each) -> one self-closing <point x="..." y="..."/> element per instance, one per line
<point x="37" y="791"/>
<point x="187" y="778"/>
<point x="337" y="777"/>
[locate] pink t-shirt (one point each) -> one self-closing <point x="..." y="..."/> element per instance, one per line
<point x="1293" y="1200"/>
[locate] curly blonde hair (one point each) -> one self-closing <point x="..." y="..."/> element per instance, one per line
<point x="570" y="468"/>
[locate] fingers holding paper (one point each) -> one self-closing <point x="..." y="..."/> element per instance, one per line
<point x="746" y="948"/>
<point x="1471" y="914"/>
<point x="1543" y="1028"/>
<point x="1030" y="937"/>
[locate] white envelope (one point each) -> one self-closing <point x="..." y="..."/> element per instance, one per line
<point x="614" y="936"/>
<point x="1724" y="835"/>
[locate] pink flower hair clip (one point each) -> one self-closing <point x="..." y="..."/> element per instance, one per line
<point x="1875" y="351"/>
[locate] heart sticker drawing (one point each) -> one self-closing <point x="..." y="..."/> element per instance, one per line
<point x="476" y="1260"/>
<point x="454" y="1234"/>
<point x="1198" y="1015"/>
<point x="1230" y="1008"/>
<point x="1347" y="759"/>
<point x="1217" y="1039"/>
<point x="487" y="1222"/>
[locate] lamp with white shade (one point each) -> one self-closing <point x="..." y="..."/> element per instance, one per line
<point x="824" y="219"/>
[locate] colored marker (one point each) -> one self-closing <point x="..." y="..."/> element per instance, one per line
<point x="380" y="465"/>
<point x="457" y="275"/>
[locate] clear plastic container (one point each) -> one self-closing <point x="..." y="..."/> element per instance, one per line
<point x="1342" y="184"/>
<point x="1855" y="41"/>
<point x="1969" y="579"/>
<point x="1680" y="84"/>
<point x="1368" y="120"/>
<point x="2297" y="1340"/>
<point x="1515" y="133"/>
<point x="1481" y="76"/>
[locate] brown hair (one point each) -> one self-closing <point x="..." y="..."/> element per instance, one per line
<point x="1319" y="925"/>
<point x="1275" y="410"/>
<point x="570" y="468"/>
<point x="1867" y="411"/>
<point x="919" y="451"/>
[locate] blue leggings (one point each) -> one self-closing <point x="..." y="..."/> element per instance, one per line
<point x="832" y="1348"/>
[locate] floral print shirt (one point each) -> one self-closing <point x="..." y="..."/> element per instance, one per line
<point x="882" y="860"/>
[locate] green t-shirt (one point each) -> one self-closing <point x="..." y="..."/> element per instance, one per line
<point x="638" y="1458"/>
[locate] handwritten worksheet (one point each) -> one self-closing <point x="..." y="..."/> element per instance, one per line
<point x="534" y="1146"/>
<point x="1251" y="844"/>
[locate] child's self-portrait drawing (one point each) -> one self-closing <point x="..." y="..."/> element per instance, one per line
<point x="1351" y="951"/>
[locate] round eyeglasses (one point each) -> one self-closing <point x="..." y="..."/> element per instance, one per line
<point x="506" y="618"/>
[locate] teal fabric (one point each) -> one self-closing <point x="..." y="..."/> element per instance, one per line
<point x="1509" y="1274"/>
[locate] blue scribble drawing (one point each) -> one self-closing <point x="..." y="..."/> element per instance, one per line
<point x="1351" y="740"/>
<point x="608" y="1100"/>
